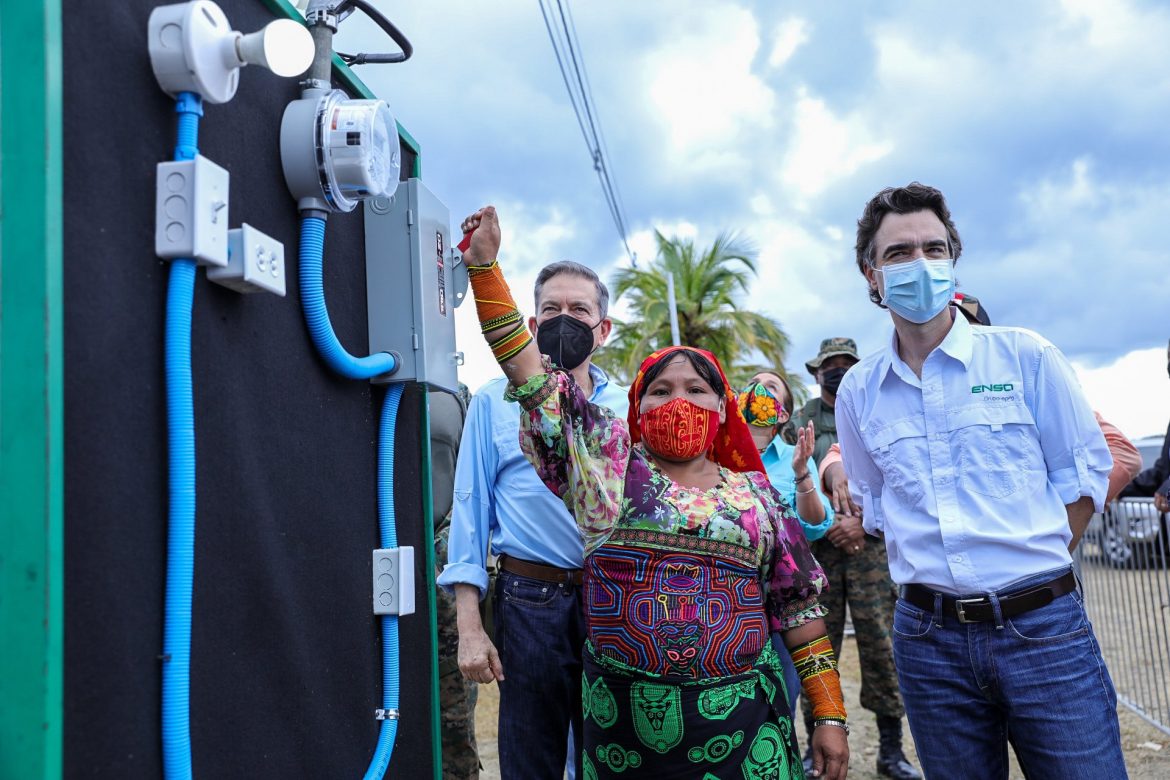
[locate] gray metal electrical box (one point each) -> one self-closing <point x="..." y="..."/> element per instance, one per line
<point x="414" y="280"/>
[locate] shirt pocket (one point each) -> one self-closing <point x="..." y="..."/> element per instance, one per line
<point x="995" y="448"/>
<point x="899" y="451"/>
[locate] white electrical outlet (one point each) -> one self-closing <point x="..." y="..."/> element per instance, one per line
<point x="255" y="262"/>
<point x="191" y="211"/>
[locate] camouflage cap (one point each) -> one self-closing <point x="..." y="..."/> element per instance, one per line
<point x="831" y="348"/>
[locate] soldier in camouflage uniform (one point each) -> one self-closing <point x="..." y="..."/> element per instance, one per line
<point x="457" y="695"/>
<point x="858" y="573"/>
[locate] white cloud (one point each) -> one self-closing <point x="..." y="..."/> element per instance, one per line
<point x="1130" y="392"/>
<point x="1109" y="23"/>
<point x="701" y="89"/>
<point x="1089" y="268"/>
<point x="825" y="148"/>
<point x="1044" y="126"/>
<point x="790" y="35"/>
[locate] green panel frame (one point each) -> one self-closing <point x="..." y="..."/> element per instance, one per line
<point x="31" y="392"/>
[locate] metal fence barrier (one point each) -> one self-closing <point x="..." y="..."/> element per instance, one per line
<point x="1124" y="563"/>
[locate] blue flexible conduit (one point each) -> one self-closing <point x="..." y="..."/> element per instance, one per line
<point x="388" y="534"/>
<point x="312" y="252"/>
<point x="176" y="679"/>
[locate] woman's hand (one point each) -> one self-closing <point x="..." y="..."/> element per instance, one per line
<point x="485" y="240"/>
<point x="830" y="751"/>
<point x="806" y="439"/>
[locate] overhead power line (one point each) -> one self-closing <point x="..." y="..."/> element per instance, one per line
<point x="562" y="34"/>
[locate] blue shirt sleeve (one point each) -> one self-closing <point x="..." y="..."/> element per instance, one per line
<point x="814" y="532"/>
<point x="473" y="513"/>
<point x="1075" y="452"/>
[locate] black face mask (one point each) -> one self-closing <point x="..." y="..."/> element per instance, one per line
<point x="831" y="379"/>
<point x="566" y="340"/>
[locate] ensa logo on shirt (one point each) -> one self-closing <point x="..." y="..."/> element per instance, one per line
<point x="1004" y="388"/>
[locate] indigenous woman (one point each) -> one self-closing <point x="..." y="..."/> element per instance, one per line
<point x="691" y="559"/>
<point x="766" y="405"/>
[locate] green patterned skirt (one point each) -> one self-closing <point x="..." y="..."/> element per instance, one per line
<point x="639" y="725"/>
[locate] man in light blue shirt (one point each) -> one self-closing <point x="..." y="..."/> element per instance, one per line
<point x="974" y="454"/>
<point x="539" y="621"/>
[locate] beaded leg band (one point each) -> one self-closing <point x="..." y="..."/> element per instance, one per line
<point x="817" y="669"/>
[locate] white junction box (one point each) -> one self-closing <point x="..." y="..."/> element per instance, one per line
<point x="191" y="211"/>
<point x="255" y="262"/>
<point x="394" y="581"/>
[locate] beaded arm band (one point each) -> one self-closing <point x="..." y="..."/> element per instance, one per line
<point x="817" y="669"/>
<point x="497" y="310"/>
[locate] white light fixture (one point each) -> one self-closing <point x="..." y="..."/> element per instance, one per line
<point x="193" y="48"/>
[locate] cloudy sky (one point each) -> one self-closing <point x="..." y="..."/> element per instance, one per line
<point x="1047" y="125"/>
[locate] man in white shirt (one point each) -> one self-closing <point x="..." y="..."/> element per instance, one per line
<point x="974" y="454"/>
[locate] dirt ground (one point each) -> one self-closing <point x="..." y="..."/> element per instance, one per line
<point x="1147" y="750"/>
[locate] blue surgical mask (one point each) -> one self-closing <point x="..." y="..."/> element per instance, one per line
<point x="918" y="290"/>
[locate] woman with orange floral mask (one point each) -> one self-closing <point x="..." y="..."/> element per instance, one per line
<point x="691" y="560"/>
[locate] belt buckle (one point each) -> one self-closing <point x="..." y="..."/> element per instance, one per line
<point x="962" y="613"/>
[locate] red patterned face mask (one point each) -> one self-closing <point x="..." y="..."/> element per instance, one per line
<point x="679" y="429"/>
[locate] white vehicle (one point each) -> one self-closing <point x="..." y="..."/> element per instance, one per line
<point x="1131" y="533"/>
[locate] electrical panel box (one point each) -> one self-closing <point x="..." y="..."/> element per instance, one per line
<point x="191" y="211"/>
<point x="255" y="262"/>
<point x="414" y="280"/>
<point x="394" y="581"/>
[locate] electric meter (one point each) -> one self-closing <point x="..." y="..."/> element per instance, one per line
<point x="337" y="152"/>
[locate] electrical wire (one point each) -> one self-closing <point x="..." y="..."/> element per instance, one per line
<point x="617" y="195"/>
<point x="387" y="27"/>
<point x="567" y="49"/>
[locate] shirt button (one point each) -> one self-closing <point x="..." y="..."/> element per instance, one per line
<point x="957" y="558"/>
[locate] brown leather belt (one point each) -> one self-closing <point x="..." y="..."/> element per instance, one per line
<point x="979" y="610"/>
<point x="540" y="571"/>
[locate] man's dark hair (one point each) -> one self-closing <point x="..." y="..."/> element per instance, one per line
<point x="900" y="200"/>
<point x="573" y="269"/>
<point x="703" y="368"/>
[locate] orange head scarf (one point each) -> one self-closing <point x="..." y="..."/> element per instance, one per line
<point x="734" y="447"/>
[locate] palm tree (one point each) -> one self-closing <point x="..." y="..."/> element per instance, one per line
<point x="708" y="284"/>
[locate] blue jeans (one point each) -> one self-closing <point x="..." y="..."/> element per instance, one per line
<point x="540" y="633"/>
<point x="1039" y="675"/>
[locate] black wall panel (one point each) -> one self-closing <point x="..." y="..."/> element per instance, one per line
<point x="285" y="653"/>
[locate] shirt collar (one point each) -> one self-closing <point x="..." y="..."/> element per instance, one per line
<point x="600" y="380"/>
<point x="958" y="344"/>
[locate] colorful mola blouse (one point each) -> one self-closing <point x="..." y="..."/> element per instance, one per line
<point x="682" y="590"/>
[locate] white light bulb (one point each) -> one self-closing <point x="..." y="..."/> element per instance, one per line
<point x="284" y="47"/>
